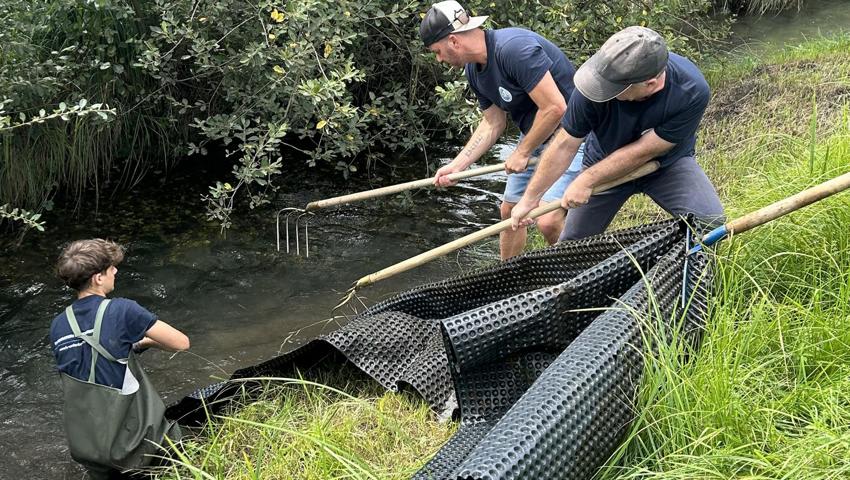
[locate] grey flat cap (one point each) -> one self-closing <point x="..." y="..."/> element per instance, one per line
<point x="632" y="55"/>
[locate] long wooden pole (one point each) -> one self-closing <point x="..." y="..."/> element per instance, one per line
<point x="426" y="257"/>
<point x="777" y="209"/>
<point x="391" y="189"/>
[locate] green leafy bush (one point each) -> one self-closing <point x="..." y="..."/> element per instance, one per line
<point x="329" y="82"/>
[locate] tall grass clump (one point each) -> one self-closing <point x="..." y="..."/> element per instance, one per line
<point x="768" y="394"/>
<point x="760" y="7"/>
<point x="76" y="113"/>
<point x="299" y="429"/>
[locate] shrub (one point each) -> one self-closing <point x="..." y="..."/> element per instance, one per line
<point x="334" y="83"/>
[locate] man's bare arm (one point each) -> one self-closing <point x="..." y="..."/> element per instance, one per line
<point x="556" y="159"/>
<point x="623" y="161"/>
<point x="551" y="106"/>
<point x="492" y="125"/>
<point x="626" y="159"/>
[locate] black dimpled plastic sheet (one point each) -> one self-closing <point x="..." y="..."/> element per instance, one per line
<point x="539" y="356"/>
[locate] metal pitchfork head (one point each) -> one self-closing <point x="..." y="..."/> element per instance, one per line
<point x="297" y="213"/>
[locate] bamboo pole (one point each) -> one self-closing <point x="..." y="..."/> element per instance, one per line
<point x="790" y="204"/>
<point x="426" y="257"/>
<point x="776" y="210"/>
<point x="391" y="189"/>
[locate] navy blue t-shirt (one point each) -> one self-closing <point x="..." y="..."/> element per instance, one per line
<point x="517" y="59"/>
<point x="124" y="323"/>
<point x="674" y="113"/>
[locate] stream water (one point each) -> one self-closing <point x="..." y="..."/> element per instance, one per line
<point x="817" y="18"/>
<point x="239" y="300"/>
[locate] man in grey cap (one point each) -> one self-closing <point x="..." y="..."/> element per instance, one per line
<point x="515" y="71"/>
<point x="634" y="102"/>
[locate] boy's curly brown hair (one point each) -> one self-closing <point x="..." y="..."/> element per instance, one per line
<point x="81" y="259"/>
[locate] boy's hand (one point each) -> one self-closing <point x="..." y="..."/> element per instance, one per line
<point x="138" y="348"/>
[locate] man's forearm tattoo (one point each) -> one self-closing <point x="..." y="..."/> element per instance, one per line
<point x="473" y="145"/>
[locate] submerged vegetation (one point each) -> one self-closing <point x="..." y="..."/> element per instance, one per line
<point x="768" y="394"/>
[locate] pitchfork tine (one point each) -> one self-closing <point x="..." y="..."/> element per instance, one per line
<point x="291" y="211"/>
<point x="306" y="232"/>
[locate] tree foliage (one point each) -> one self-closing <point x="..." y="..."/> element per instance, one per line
<point x="330" y="82"/>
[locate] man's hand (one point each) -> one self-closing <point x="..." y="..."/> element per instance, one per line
<point x="441" y="178"/>
<point x="517" y="162"/>
<point x="520" y="212"/>
<point x="577" y="194"/>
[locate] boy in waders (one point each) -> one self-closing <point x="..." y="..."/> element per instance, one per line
<point x="114" y="418"/>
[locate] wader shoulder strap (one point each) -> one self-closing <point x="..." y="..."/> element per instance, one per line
<point x="94" y="339"/>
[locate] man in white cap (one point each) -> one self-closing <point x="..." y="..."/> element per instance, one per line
<point x="634" y="102"/>
<point x="515" y="71"/>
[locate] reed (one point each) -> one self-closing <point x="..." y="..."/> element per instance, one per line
<point x="760" y="7"/>
<point x="64" y="51"/>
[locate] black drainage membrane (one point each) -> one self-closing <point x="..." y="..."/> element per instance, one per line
<point x="540" y="356"/>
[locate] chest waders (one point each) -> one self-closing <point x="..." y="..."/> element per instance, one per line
<point x="106" y="428"/>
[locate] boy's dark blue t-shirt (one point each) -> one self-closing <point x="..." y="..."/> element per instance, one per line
<point x="124" y="323"/>
<point x="517" y="59"/>
<point x="674" y="113"/>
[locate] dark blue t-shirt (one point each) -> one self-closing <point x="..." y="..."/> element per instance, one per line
<point x="124" y="323"/>
<point x="517" y="59"/>
<point x="674" y="113"/>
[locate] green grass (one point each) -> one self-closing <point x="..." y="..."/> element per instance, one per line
<point x="768" y="395"/>
<point x="303" y="430"/>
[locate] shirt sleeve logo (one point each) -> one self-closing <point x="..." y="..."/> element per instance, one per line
<point x="506" y="95"/>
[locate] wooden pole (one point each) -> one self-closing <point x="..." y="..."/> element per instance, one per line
<point x="775" y="210"/>
<point x="426" y="257"/>
<point x="391" y="189"/>
<point x="788" y="205"/>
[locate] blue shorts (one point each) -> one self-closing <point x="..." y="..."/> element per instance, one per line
<point x="518" y="182"/>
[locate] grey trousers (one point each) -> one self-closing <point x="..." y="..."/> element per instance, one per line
<point x="680" y="188"/>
